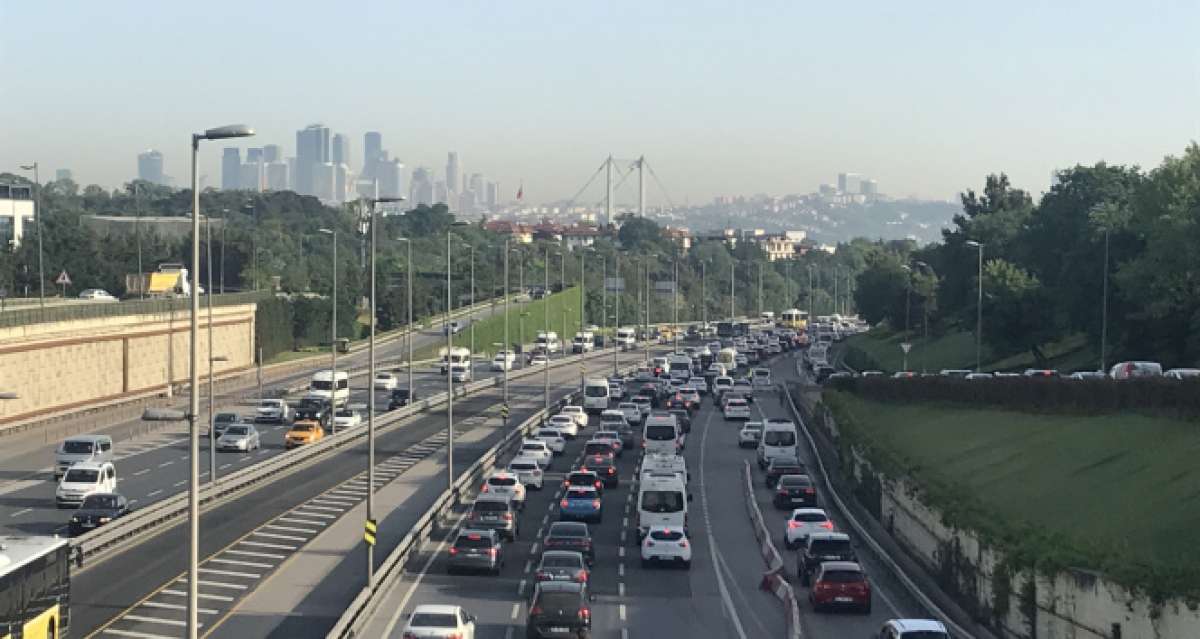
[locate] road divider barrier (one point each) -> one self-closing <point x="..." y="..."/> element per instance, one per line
<point x="774" y="578"/>
<point x="162" y="514"/>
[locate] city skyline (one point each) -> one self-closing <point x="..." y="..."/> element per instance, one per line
<point x="914" y="97"/>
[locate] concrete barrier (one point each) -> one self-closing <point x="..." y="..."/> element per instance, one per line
<point x="774" y="579"/>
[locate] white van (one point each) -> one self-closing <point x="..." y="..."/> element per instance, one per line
<point x="662" y="501"/>
<point x="595" y="395"/>
<point x="83" y="479"/>
<point x="321" y="387"/>
<point x="657" y="464"/>
<point x="626" y="338"/>
<point x="680" y="366"/>
<point x="460" y="372"/>
<point x="727" y="357"/>
<point x="455" y="355"/>
<point x="547" y="342"/>
<point x="583" y="342"/>
<point x="81" y="448"/>
<point x="660" y="434"/>
<point x="778" y="440"/>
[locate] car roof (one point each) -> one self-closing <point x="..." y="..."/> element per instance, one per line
<point x="841" y="565"/>
<point x="828" y="536"/>
<point x="560" y="586"/>
<point x="809" y="511"/>
<point x="918" y="624"/>
<point x="483" y="532"/>
<point x="523" y="459"/>
<point x="492" y="497"/>
<point x="502" y="473"/>
<point x="567" y="525"/>
<point x="89" y="465"/>
<point x="87" y="438"/>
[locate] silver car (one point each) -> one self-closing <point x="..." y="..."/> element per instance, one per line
<point x="239" y="437"/>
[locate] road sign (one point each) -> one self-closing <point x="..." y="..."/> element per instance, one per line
<point x="504" y="411"/>
<point x="906" y="346"/>
<point x="369" y="531"/>
<point x="63" y="279"/>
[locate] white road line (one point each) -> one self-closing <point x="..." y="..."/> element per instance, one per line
<point x="141" y="472"/>
<point x="244" y="460"/>
<point x="712" y="539"/>
<point x="325" y="508"/>
<point x="545" y="519"/>
<point x="166" y="463"/>
<point x="533" y="550"/>
<point x="180" y="483"/>
<point x="130" y="633"/>
<point x="224" y="466"/>
<point x="307" y="531"/>
<point x="278" y="536"/>
<point x="516" y="610"/>
<point x="169" y="622"/>
<point x="528" y="567"/>
<point x="154" y="492"/>
<point x="336" y="501"/>
<point x="624" y="633"/>
<point x="251" y="553"/>
<point x="391" y="625"/>
<point x="621" y="611"/>
<point x="240" y="562"/>
<point x="231" y="573"/>
<point x="621" y="569"/>
<point x="264" y="452"/>
<point x="306" y="522"/>
<point x="620" y="588"/>
<point x="521" y="588"/>
<point x="159" y="604"/>
<point x="621" y="552"/>
<point x="624" y="522"/>
<point x="550" y="506"/>
<point x="217" y="584"/>
<point x="180" y="593"/>
<point x="263" y="544"/>
<point x="184" y="458"/>
<point x="301" y="511"/>
<point x="21" y="512"/>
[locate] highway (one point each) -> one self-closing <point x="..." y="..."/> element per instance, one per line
<point x="154" y="466"/>
<point x="134" y="592"/>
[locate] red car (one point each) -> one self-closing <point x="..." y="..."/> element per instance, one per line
<point x="841" y="584"/>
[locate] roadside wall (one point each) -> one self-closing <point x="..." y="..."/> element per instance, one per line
<point x="57" y="366"/>
<point x="1074" y="604"/>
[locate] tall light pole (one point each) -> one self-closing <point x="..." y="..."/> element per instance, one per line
<point x="449" y="377"/>
<point x="505" y="293"/>
<point x="925" y="318"/>
<point x="732" y="276"/>
<point x="703" y="295"/>
<point x="409" y="334"/>
<point x="787" y="278"/>
<point x="219" y="133"/>
<point x="546" y="330"/>
<point x="212" y="439"/>
<point x="675" y="304"/>
<point x="137" y="232"/>
<point x="371" y="388"/>
<point x="760" y="300"/>
<point x="617" y="316"/>
<point x="979" y="307"/>
<point x="332" y="326"/>
<point x="812" y="305"/>
<point x="1104" y="308"/>
<point x="562" y="286"/>
<point x="907" y="303"/>
<point x="471" y="313"/>
<point x="37" y="221"/>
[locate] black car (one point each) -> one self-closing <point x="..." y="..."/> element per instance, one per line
<point x="822" y="547"/>
<point x="605" y="466"/>
<point x="584" y="478"/>
<point x="780" y="466"/>
<point x="314" y="409"/>
<point x="559" y="609"/>
<point x="96" y="510"/>
<point x="401" y="397"/>
<point x="684" y="418"/>
<point x="570" y="535"/>
<point x="795" y="491"/>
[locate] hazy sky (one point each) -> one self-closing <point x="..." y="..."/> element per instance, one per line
<point x="721" y="97"/>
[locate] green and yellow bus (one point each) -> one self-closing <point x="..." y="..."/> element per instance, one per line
<point x="35" y="587"/>
<point x="794" y="318"/>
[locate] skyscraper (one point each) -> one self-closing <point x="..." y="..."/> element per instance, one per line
<point x="150" y="166"/>
<point x="421" y="187"/>
<point x="341" y="150"/>
<point x="277" y="176"/>
<point x="389" y="178"/>
<point x="252" y="176"/>
<point x="231" y="168"/>
<point x="372" y="152"/>
<point x="476" y="185"/>
<point x="453" y="172"/>
<point x="312" y="149"/>
<point x="254" y="154"/>
<point x="272" y="153"/>
<point x="324" y="180"/>
<point x="343" y="182"/>
<point x="493" y="193"/>
<point x="850" y="183"/>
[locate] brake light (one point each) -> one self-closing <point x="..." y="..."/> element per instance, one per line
<point x="585" y="614"/>
<point x="484" y="489"/>
<point x="649" y="544"/>
<point x="783" y="491"/>
<point x="599" y="484"/>
<point x="535" y="611"/>
<point x="810" y="491"/>
<point x="582" y="575"/>
<point x="611" y="470"/>
<point x="595" y="503"/>
<point x="493" y="552"/>
<point x="541" y="576"/>
<point x="827" y="525"/>
<point x="563" y="503"/>
<point x="408" y="635"/>
<point x="453" y="550"/>
<point x="683" y="543"/>
<point x="507" y="516"/>
<point x="793" y="524"/>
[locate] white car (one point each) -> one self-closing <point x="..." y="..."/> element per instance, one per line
<point x="460" y="373"/>
<point x="577" y="412"/>
<point x="503" y="361"/>
<point x="564" y="424"/>
<point x="239" y="437"/>
<point x="346" y="419"/>
<point x="553" y="439"/>
<point x="749" y="435"/>
<point x="737" y="408"/>
<point x="438" y="622"/>
<point x="722" y="384"/>
<point x="273" y="410"/>
<point x="384" y="381"/>
<point x="644" y="406"/>
<point x="633" y="414"/>
<point x="507" y="483"/>
<point x="664" y="544"/>
<point x="97" y="295"/>
<point x="802" y="523"/>
<point x="539" y="450"/>
<point x="83" y="479"/>
<point x="528" y="470"/>
<point x="913" y="629"/>
<point x="539" y="360"/>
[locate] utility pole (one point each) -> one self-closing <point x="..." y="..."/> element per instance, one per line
<point x="1104" y="308"/>
<point x="641" y="186"/>
<point x="760" y="300"/>
<point x="507" y="343"/>
<point x="703" y="296"/>
<point x="546" y="330"/>
<point x="675" y="304"/>
<point x="449" y="378"/>
<point x="617" y="316"/>
<point x="732" y="311"/>
<point x="608" y="189"/>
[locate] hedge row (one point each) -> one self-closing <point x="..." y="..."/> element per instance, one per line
<point x="1160" y="397"/>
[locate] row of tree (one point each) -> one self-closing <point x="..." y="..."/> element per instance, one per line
<point x="1045" y="265"/>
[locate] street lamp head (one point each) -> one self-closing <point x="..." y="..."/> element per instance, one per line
<point x="9" y="395"/>
<point x="974" y="244"/>
<point x="327" y="231"/>
<point x="228" y="131"/>
<point x="220" y="358"/>
<point x="29" y="167"/>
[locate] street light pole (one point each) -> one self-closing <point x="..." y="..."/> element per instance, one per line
<point x="409" y="332"/>
<point x="703" y="296"/>
<point x="37" y="221"/>
<point x="506" y="293"/>
<point x="1104" y="308"/>
<point x="546" y="330"/>
<point x="212" y="438"/>
<point x="333" y="385"/>
<point x="449" y="378"/>
<point x="137" y="231"/>
<point x="617" y="316"/>
<point x="732" y="275"/>
<point x="675" y="304"/>
<point x="979" y="307"/>
<point x="220" y="133"/>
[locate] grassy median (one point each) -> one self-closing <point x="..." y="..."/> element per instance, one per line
<point x="880" y="349"/>
<point x="490" y="330"/>
<point x="1117" y="493"/>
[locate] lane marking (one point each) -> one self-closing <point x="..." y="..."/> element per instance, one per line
<point x="621" y="611"/>
<point x="21" y="512"/>
<point x="180" y="593"/>
<point x="170" y="606"/>
<point x="154" y="492"/>
<point x="620" y="588"/>
<point x="169" y="622"/>
<point x="131" y="633"/>
<point x="516" y="610"/>
<point x="307" y="531"/>
<point x="179" y="483"/>
<point x="251" y="553"/>
<point x="240" y="562"/>
<point x="726" y="600"/>
<point x="278" y="536"/>
<point x="521" y="588"/>
<point x="166" y="463"/>
<point x="144" y="471"/>
<point x="263" y="544"/>
<point x="391" y="625"/>
<point x="231" y="573"/>
<point x="528" y="567"/>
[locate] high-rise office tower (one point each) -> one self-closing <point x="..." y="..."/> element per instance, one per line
<point x="231" y="168"/>
<point x="870" y="187"/>
<point x="150" y="166"/>
<point x="252" y="176"/>
<point x="493" y="194"/>
<point x="453" y="172"/>
<point x="850" y="183"/>
<point x="372" y="152"/>
<point x="342" y="183"/>
<point x="476" y="185"/>
<point x="291" y="173"/>
<point x="439" y="192"/>
<point x="324" y="180"/>
<point x="421" y="187"/>
<point x="389" y="178"/>
<point x="340" y="149"/>
<point x="255" y="154"/>
<point x="277" y="176"/>
<point x="272" y="153"/>
<point x="312" y="149"/>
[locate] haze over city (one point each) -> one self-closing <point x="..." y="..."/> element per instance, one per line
<point x="927" y="99"/>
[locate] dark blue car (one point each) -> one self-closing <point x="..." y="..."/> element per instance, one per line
<point x="581" y="503"/>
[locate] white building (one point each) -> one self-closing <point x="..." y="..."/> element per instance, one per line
<point x="16" y="212"/>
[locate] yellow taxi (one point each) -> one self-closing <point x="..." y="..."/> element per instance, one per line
<point x="304" y="432"/>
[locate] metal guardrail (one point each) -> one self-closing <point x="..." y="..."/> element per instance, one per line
<point x="146" y="520"/>
<point x="861" y="531"/>
<point x="92" y="310"/>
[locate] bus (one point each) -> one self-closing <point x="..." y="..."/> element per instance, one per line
<point x="35" y="587"/>
<point x="795" y="318"/>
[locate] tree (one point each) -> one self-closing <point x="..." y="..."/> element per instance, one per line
<point x="640" y="234"/>
<point x="880" y="291"/>
<point x="1017" y="310"/>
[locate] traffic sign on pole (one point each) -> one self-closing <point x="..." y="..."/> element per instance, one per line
<point x="63" y="279"/>
<point x="369" y="529"/>
<point x="906" y="346"/>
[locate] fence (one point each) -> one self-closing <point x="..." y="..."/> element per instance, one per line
<point x="91" y="310"/>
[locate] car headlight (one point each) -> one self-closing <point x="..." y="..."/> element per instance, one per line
<point x="75" y="519"/>
<point x="105" y="520"/>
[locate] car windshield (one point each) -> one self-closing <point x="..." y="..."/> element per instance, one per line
<point x="433" y="620"/>
<point x="318" y="385"/>
<point x="268" y="404"/>
<point x="81" y="476"/>
<point x="226" y="418"/>
<point x="580" y="494"/>
<point x="666" y="535"/>
<point x="596" y="447"/>
<point x="523" y="466"/>
<point x="302" y="428"/>
<point x="779" y="438"/>
<point x="596" y="391"/>
<point x="490" y="506"/>
<point x="473" y="540"/>
<point x="795" y="481"/>
<point x="538" y="446"/>
<point x="662" y="501"/>
<point x="558" y="601"/>
<point x="568" y="530"/>
<point x="502" y="481"/>
<point x="99" y="502"/>
<point x="383" y="376"/>
<point x="843" y="577"/>
<point x="561" y="561"/>
<point x="582" y="479"/>
<point x="236" y="430"/>
<point x="830" y="546"/>
<point x="660" y="432"/>
<point x="77" y="447"/>
<point x="546" y="432"/>
<point x="811" y="518"/>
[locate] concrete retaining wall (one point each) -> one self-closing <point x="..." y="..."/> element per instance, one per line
<point x="1074" y="604"/>
<point x="61" y="365"/>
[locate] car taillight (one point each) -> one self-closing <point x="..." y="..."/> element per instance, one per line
<point x="783" y="492"/>
<point x="493" y="551"/>
<point x="827" y="525"/>
<point x="683" y="543"/>
<point x="541" y="576"/>
<point x="612" y="471"/>
<point x="649" y="544"/>
<point x="599" y="484"/>
<point x="453" y="550"/>
<point x="484" y="489"/>
<point x="408" y="635"/>
<point x="455" y="635"/>
<point x="562" y="504"/>
<point x="507" y="516"/>
<point x="582" y="575"/>
<point x="810" y="491"/>
<point x="585" y="614"/>
<point x="793" y="524"/>
<point x="595" y="503"/>
<point x="535" y="611"/>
